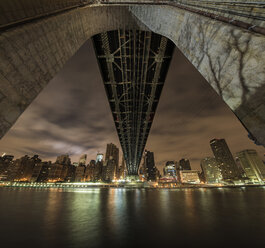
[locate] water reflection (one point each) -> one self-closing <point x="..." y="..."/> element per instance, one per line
<point x="132" y="217"/>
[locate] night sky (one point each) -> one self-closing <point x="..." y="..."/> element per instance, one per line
<point x="71" y="115"/>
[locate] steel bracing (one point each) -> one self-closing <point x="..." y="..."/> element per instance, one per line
<point x="133" y="65"/>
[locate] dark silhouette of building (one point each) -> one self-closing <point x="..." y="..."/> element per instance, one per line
<point x="89" y="171"/>
<point x="112" y="153"/>
<point x="80" y="173"/>
<point x="63" y="159"/>
<point x="149" y="165"/>
<point x="184" y="164"/>
<point x="108" y="170"/>
<point x="122" y="170"/>
<point x="97" y="172"/>
<point x="22" y="168"/>
<point x="225" y="159"/>
<point x="44" y="172"/>
<point x="82" y="160"/>
<point x="5" y="162"/>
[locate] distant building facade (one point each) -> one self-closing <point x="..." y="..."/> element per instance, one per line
<point x="5" y="162"/>
<point x="82" y="160"/>
<point x="151" y="171"/>
<point x="112" y="153"/>
<point x="99" y="157"/>
<point x="211" y="171"/>
<point x="189" y="176"/>
<point x="184" y="164"/>
<point x="225" y="159"/>
<point x="252" y="165"/>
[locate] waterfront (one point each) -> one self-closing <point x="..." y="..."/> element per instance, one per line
<point x="117" y="217"/>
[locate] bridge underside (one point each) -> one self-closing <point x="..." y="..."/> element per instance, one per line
<point x="133" y="65"/>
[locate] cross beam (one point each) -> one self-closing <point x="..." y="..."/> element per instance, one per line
<point x="133" y="65"/>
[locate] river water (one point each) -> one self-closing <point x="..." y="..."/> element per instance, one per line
<point x="109" y="217"/>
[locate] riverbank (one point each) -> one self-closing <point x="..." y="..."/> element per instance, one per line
<point x="118" y="185"/>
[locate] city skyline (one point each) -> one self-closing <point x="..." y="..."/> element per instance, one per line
<point x="71" y="117"/>
<point x="113" y="153"/>
<point x="220" y="170"/>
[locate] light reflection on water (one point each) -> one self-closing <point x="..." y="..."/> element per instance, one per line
<point x="107" y="217"/>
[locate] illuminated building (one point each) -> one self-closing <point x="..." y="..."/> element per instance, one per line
<point x="169" y="175"/>
<point x="189" y="176"/>
<point x="184" y="164"/>
<point x="169" y="172"/>
<point x="211" y="170"/>
<point x="99" y="157"/>
<point x="252" y="165"/>
<point x="225" y="159"/>
<point x="170" y="169"/>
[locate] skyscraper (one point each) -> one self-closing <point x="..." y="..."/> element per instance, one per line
<point x="82" y="160"/>
<point x="252" y="165"/>
<point x="149" y="164"/>
<point x="90" y="171"/>
<point x="224" y="159"/>
<point x="80" y="173"/>
<point x="5" y="162"/>
<point x="108" y="170"/>
<point x="99" y="157"/>
<point x="97" y="172"/>
<point x="122" y="170"/>
<point x="112" y="153"/>
<point x="211" y="170"/>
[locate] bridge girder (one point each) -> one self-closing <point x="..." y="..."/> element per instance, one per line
<point x="133" y="65"/>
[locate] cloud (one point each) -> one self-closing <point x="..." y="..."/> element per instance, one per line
<point x="72" y="115"/>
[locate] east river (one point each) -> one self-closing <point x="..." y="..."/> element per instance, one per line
<point x="118" y="217"/>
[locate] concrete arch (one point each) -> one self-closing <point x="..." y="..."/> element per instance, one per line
<point x="33" y="53"/>
<point x="231" y="59"/>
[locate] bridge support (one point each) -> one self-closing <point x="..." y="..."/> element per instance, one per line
<point x="36" y="42"/>
<point x="230" y="58"/>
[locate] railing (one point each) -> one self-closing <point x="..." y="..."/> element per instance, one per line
<point x="245" y="14"/>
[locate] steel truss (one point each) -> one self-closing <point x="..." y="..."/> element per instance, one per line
<point x="133" y="65"/>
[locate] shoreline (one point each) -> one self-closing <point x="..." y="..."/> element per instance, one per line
<point x="140" y="185"/>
